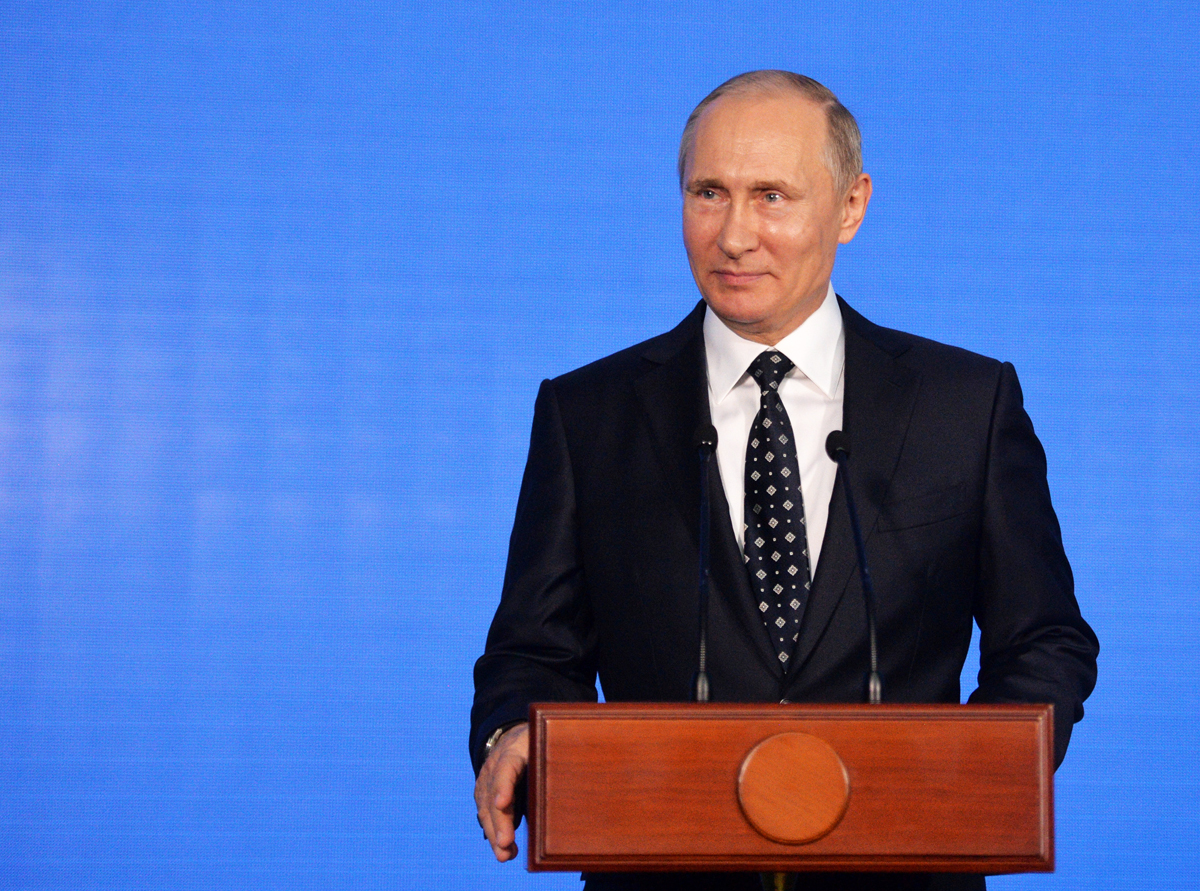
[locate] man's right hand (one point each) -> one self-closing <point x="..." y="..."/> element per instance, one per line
<point x="495" y="791"/>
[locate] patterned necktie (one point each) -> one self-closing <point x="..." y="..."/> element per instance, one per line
<point x="776" y="549"/>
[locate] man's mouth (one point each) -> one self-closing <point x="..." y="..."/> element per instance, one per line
<point x="738" y="276"/>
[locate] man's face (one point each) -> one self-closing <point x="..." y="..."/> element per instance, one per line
<point x="762" y="218"/>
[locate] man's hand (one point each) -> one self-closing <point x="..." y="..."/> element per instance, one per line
<point x="495" y="791"/>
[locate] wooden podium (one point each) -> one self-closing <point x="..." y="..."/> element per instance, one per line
<point x="791" y="788"/>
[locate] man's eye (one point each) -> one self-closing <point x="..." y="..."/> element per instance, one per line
<point x="772" y="197"/>
<point x="708" y="194"/>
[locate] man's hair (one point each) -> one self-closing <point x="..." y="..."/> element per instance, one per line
<point x="843" y="142"/>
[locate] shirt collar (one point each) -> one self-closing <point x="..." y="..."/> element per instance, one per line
<point x="816" y="348"/>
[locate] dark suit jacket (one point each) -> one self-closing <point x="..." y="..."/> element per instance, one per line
<point x="950" y="482"/>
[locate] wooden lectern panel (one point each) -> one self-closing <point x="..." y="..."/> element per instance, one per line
<point x="646" y="787"/>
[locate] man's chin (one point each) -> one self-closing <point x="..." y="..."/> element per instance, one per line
<point x="738" y="315"/>
<point x="751" y="319"/>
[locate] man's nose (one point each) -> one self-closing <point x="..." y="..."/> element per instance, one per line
<point x="738" y="234"/>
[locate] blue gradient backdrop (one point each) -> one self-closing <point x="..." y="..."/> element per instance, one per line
<point x="278" y="283"/>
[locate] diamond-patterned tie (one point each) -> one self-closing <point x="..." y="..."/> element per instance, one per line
<point x="776" y="549"/>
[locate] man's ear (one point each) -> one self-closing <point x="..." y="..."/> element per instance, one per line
<point x="854" y="207"/>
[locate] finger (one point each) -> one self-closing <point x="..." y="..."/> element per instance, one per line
<point x="505" y="784"/>
<point x="496" y="821"/>
<point x="505" y="822"/>
<point x="503" y="839"/>
<point x="501" y="814"/>
<point x="483" y="809"/>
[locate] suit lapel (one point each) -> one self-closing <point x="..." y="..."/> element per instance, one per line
<point x="878" y="401"/>
<point x="674" y="398"/>
<point x="674" y="403"/>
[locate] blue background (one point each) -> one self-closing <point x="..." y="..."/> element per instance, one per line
<point x="277" y="286"/>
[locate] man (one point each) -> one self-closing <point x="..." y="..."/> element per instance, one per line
<point x="949" y="478"/>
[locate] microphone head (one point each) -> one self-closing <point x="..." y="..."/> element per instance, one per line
<point x="706" y="437"/>
<point x="837" y="446"/>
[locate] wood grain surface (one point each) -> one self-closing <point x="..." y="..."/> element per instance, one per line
<point x="951" y="788"/>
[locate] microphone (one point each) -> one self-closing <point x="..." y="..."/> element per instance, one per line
<point x="837" y="447"/>
<point x="706" y="442"/>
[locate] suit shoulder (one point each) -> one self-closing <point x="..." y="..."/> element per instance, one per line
<point x="621" y="365"/>
<point x="922" y="353"/>
<point x="621" y="368"/>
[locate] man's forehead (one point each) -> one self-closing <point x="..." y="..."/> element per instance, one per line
<point x="765" y="112"/>
<point x="761" y="135"/>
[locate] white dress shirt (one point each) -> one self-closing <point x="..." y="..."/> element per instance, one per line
<point x="811" y="393"/>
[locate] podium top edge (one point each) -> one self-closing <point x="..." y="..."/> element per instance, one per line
<point x="835" y="711"/>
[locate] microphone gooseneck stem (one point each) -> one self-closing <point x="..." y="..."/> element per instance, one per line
<point x="838" y="450"/>
<point x="706" y="440"/>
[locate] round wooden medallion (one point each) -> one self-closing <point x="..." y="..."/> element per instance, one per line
<point x="793" y="788"/>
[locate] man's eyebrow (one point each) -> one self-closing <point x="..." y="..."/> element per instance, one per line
<point x="760" y="186"/>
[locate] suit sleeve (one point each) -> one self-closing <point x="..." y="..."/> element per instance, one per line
<point x="541" y="645"/>
<point x="1034" y="644"/>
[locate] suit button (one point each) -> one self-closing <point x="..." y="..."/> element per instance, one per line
<point x="785" y="702"/>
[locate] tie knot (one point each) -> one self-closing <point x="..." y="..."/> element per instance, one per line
<point x="768" y="369"/>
